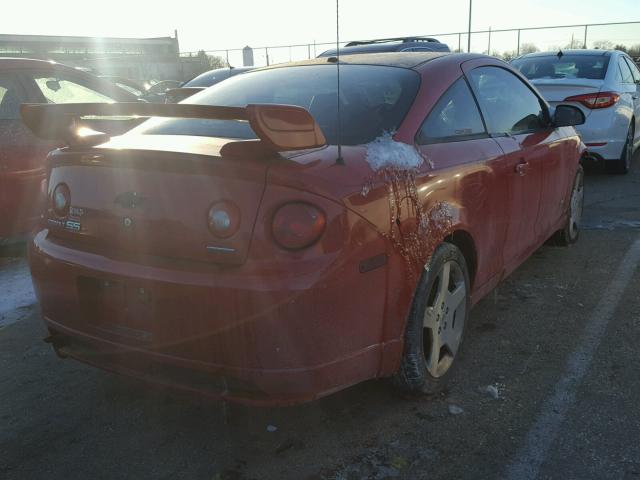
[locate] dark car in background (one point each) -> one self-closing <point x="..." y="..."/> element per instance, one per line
<point x="403" y="44"/>
<point x="22" y="155"/>
<point x="161" y="87"/>
<point x="203" y="81"/>
<point x="140" y="90"/>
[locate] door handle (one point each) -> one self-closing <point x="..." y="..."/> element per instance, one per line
<point x="635" y="97"/>
<point x="522" y="167"/>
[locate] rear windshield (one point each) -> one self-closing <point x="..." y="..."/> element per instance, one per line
<point x="566" y="66"/>
<point x="373" y="99"/>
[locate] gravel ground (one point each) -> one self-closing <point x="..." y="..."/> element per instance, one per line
<point x="530" y="339"/>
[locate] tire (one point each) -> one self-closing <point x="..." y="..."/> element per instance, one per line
<point x="623" y="164"/>
<point x="437" y="323"/>
<point x="571" y="231"/>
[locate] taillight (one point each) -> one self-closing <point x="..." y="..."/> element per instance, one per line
<point x="223" y="219"/>
<point x="298" y="225"/>
<point x="61" y="200"/>
<point x="595" y="100"/>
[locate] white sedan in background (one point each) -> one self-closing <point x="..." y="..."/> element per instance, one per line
<point x="605" y="84"/>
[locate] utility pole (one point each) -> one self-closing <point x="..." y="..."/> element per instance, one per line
<point x="586" y="28"/>
<point x="469" y="34"/>
<point x="489" y="46"/>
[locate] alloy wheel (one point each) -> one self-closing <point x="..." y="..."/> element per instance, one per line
<point x="628" y="149"/>
<point x="444" y="318"/>
<point x="576" y="206"/>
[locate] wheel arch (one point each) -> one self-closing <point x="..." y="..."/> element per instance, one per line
<point x="464" y="241"/>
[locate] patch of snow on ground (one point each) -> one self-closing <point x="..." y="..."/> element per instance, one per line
<point x="384" y="152"/>
<point x="16" y="290"/>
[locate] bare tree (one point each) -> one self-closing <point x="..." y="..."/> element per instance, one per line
<point x="528" y="48"/>
<point x="508" y="55"/>
<point x="602" y="45"/>
<point x="211" y="61"/>
<point x="634" y="51"/>
<point x="556" y="48"/>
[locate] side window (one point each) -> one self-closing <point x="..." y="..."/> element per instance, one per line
<point x="455" y="117"/>
<point x="509" y="106"/>
<point x="634" y="70"/>
<point x="62" y="89"/>
<point x="11" y="97"/>
<point x="627" y="77"/>
<point x="618" y="72"/>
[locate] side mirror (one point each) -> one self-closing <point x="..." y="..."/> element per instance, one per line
<point x="568" y="116"/>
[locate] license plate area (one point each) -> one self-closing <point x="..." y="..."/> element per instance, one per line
<point x="117" y="308"/>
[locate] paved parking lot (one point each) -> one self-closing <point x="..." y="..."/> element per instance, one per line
<point x="557" y="344"/>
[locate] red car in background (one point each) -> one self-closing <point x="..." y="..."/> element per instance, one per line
<point x="259" y="247"/>
<point x="22" y="154"/>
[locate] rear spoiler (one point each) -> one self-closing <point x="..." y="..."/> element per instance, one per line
<point x="279" y="127"/>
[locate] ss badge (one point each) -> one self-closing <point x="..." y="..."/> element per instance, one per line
<point x="72" y="225"/>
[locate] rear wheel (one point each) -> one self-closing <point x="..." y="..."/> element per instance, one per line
<point x="623" y="164"/>
<point x="571" y="231"/>
<point x="437" y="323"/>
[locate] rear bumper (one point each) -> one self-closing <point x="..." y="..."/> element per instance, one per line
<point x="605" y="133"/>
<point x="611" y="151"/>
<point x="228" y="334"/>
<point x="255" y="387"/>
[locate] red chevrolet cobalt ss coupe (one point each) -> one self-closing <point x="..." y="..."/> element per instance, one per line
<point x="276" y="238"/>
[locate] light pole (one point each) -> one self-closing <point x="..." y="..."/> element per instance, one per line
<point x="469" y="34"/>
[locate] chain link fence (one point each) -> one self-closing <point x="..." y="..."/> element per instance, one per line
<point x="505" y="43"/>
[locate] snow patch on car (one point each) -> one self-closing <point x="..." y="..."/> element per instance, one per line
<point x="385" y="152"/>
<point x="414" y="229"/>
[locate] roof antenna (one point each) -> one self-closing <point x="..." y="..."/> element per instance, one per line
<point x="560" y="54"/>
<point x="339" y="160"/>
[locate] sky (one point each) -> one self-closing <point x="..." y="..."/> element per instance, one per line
<point x="229" y="24"/>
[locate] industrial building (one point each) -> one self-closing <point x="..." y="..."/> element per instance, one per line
<point x="136" y="58"/>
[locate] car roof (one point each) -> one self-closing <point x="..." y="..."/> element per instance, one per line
<point x="13" y="62"/>
<point x="581" y="52"/>
<point x="223" y="73"/>
<point x="390" y="59"/>
<point x="26" y="63"/>
<point x="430" y="45"/>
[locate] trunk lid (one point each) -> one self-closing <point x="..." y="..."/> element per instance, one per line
<point x="559" y="89"/>
<point x="150" y="195"/>
<point x="555" y="91"/>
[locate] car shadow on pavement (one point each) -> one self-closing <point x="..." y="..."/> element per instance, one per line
<point x="598" y="169"/>
<point x="17" y="249"/>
